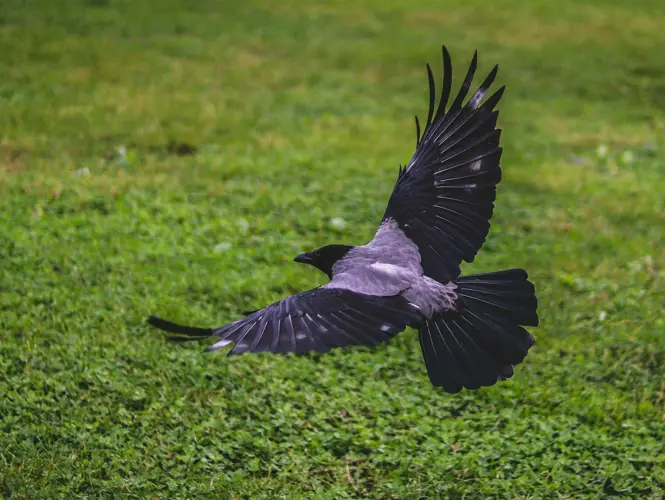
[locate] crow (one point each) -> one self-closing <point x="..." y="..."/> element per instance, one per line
<point x="471" y="328"/>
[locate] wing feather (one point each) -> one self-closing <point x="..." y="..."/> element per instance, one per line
<point x="443" y="199"/>
<point x="316" y="320"/>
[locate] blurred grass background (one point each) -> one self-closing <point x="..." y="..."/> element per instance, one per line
<point x="299" y="114"/>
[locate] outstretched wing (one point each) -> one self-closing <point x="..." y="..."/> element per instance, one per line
<point x="316" y="320"/>
<point x="444" y="198"/>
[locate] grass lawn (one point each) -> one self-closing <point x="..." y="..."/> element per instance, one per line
<point x="300" y="113"/>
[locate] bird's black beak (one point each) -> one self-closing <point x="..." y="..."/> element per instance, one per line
<point x="304" y="258"/>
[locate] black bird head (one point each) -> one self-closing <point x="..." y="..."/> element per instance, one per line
<point x="324" y="258"/>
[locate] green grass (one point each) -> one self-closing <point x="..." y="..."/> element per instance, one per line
<point x="301" y="113"/>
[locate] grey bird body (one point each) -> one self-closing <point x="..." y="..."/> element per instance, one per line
<point x="470" y="328"/>
<point x="390" y="265"/>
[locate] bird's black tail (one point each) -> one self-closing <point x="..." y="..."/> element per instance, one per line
<point x="481" y="342"/>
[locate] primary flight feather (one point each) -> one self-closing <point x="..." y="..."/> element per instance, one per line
<point x="471" y="328"/>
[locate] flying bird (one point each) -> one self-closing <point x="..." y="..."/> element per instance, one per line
<point x="471" y="328"/>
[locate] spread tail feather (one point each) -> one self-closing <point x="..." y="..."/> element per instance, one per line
<point x="481" y="342"/>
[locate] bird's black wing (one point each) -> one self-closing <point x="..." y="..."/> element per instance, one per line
<point x="316" y="320"/>
<point x="444" y="198"/>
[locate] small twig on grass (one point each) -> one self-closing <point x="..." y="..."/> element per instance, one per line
<point x="349" y="479"/>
